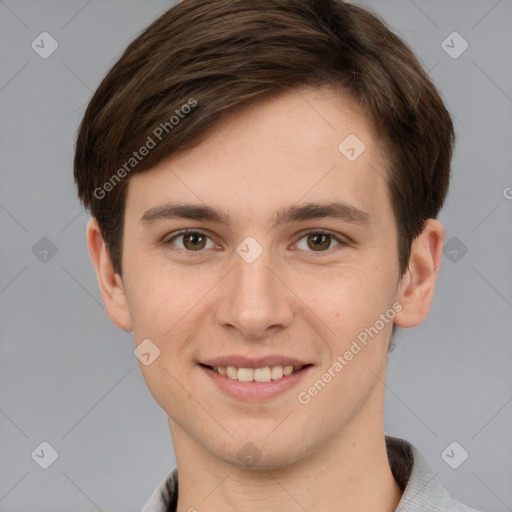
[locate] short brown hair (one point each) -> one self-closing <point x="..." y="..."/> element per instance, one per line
<point x="217" y="55"/>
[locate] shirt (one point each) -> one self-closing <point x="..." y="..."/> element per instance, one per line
<point x="422" y="491"/>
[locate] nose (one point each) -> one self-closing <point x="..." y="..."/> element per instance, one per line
<point x="253" y="299"/>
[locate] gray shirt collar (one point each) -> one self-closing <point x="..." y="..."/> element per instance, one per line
<point x="422" y="490"/>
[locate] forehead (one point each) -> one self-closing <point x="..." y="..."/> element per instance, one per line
<point x="299" y="146"/>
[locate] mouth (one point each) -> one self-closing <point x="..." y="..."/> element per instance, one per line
<point x="262" y="374"/>
<point x="256" y="382"/>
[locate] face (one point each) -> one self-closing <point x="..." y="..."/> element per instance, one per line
<point x="289" y="263"/>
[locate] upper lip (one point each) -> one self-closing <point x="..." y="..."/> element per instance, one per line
<point x="253" y="362"/>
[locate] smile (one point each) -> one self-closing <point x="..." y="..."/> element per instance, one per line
<point x="263" y="374"/>
<point x="256" y="382"/>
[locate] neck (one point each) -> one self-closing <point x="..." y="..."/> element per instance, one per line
<point x="350" y="472"/>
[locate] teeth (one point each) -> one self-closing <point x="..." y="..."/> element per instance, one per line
<point x="265" y="374"/>
<point x="245" y="374"/>
<point x="287" y="370"/>
<point x="232" y="372"/>
<point x="261" y="374"/>
<point x="276" y="372"/>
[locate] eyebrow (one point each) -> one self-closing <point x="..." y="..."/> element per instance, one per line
<point x="201" y="212"/>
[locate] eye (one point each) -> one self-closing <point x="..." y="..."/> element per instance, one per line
<point x="318" y="241"/>
<point x="191" y="241"/>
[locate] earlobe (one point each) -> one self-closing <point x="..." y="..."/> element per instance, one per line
<point x="110" y="283"/>
<point x="416" y="290"/>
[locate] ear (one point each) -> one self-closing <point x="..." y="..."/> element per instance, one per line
<point x="416" y="289"/>
<point x="110" y="283"/>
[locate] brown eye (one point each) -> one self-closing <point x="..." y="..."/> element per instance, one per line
<point x="191" y="241"/>
<point x="319" y="241"/>
<point x="194" y="241"/>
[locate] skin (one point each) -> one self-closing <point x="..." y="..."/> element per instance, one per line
<point x="293" y="300"/>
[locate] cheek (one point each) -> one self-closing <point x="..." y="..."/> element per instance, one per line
<point x="164" y="305"/>
<point x="351" y="305"/>
<point x="348" y="298"/>
<point x="165" y="299"/>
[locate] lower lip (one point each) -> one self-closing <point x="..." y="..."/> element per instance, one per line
<point x="256" y="391"/>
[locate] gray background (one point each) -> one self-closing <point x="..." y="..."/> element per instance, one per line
<point x="69" y="377"/>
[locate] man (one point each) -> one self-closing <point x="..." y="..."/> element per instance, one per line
<point x="264" y="179"/>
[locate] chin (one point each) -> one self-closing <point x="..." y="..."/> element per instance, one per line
<point x="259" y="452"/>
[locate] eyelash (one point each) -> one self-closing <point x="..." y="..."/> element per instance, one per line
<point x="194" y="254"/>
